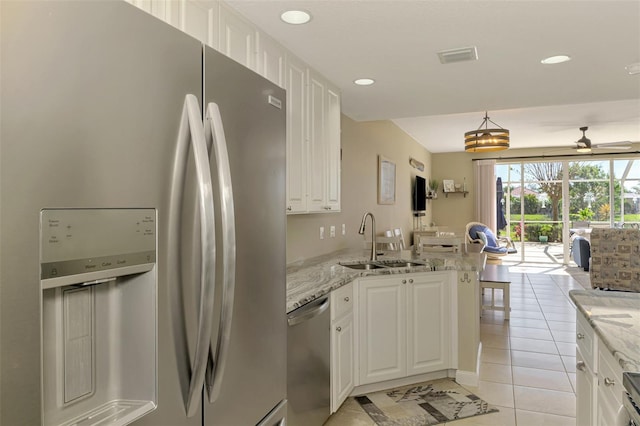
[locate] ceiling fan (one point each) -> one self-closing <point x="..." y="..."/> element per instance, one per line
<point x="583" y="145"/>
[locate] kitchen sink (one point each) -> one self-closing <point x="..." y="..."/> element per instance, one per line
<point x="365" y="266"/>
<point x="400" y="263"/>
<point x="390" y="263"/>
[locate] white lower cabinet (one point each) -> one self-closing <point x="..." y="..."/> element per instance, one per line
<point x="404" y="325"/>
<point x="382" y="328"/>
<point x="586" y="386"/>
<point x="609" y="408"/>
<point x="599" y="390"/>
<point x="341" y="360"/>
<point x="428" y="324"/>
<point x="342" y="345"/>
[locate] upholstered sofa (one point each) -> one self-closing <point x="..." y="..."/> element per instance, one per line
<point x="615" y="259"/>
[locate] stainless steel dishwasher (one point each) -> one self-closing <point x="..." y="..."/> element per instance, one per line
<point x="308" y="364"/>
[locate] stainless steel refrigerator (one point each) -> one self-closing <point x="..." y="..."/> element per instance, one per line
<point x="142" y="259"/>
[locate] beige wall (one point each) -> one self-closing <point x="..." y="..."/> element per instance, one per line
<point x="362" y="142"/>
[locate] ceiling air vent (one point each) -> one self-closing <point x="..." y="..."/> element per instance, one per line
<point x="458" y="55"/>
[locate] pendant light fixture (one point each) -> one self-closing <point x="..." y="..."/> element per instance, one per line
<point x="485" y="139"/>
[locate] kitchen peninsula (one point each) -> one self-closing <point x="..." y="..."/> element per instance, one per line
<point x="410" y="319"/>
<point x="312" y="278"/>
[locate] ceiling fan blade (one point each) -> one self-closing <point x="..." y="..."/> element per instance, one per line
<point x="614" y="145"/>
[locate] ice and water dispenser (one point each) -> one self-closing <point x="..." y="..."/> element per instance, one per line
<point x="99" y="315"/>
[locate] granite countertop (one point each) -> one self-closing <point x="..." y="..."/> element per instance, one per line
<point x="615" y="316"/>
<point x="312" y="278"/>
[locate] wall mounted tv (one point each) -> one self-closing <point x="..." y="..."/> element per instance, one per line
<point x="420" y="194"/>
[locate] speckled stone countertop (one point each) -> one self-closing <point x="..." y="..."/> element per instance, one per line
<point x="615" y="316"/>
<point x="312" y="278"/>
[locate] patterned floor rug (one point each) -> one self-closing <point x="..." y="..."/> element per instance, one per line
<point x="428" y="403"/>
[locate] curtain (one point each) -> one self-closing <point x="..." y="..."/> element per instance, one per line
<point x="485" y="190"/>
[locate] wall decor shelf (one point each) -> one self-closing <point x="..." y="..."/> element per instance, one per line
<point x="446" y="193"/>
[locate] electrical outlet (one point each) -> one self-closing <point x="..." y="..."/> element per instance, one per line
<point x="332" y="231"/>
<point x="344" y="229"/>
<point x="322" y="232"/>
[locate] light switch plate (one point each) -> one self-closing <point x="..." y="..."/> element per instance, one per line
<point x="332" y="231"/>
<point x="322" y="232"/>
<point x="344" y="229"/>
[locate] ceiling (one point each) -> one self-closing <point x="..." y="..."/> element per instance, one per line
<point x="396" y="43"/>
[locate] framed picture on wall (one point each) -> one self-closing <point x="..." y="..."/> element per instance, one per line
<point x="386" y="181"/>
<point x="448" y="185"/>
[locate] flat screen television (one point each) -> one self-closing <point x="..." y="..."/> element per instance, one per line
<point x="420" y="194"/>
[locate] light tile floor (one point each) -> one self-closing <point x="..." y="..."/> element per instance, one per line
<point x="528" y="363"/>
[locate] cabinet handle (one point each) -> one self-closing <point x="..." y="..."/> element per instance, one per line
<point x="466" y="278"/>
<point x="404" y="281"/>
<point x="609" y="382"/>
<point x="410" y="281"/>
<point x="581" y="366"/>
<point x="289" y="208"/>
<point x="346" y="299"/>
<point x="338" y="329"/>
<point x="580" y="336"/>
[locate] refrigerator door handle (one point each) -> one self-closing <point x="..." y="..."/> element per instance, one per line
<point x="214" y="132"/>
<point x="191" y="130"/>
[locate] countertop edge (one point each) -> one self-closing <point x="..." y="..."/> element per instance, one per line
<point x="315" y="277"/>
<point x="579" y="297"/>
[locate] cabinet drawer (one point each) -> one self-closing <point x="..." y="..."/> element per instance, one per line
<point x="586" y="341"/>
<point x="609" y="378"/>
<point x="341" y="301"/>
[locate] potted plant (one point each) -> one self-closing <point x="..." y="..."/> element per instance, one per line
<point x="545" y="231"/>
<point x="432" y="191"/>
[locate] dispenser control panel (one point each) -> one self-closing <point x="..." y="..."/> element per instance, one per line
<point x="81" y="241"/>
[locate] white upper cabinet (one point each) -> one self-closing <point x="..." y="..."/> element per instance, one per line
<point x="334" y="148"/>
<point x="316" y="182"/>
<point x="237" y="38"/>
<point x="323" y="172"/>
<point x="271" y="60"/>
<point x="296" y="85"/>
<point x="313" y="103"/>
<point x="197" y="18"/>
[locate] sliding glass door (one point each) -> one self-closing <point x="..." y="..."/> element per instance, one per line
<point x="547" y="204"/>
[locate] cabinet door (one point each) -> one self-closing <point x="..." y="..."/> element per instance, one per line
<point x="382" y="329"/>
<point x="585" y="392"/>
<point x="237" y="38"/>
<point x="333" y="142"/>
<point x="271" y="60"/>
<point x="428" y="323"/>
<point x="296" y="135"/>
<point x="196" y="18"/>
<point x="341" y="360"/>
<point x="316" y="172"/>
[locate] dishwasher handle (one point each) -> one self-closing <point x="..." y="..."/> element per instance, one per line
<point x="308" y="311"/>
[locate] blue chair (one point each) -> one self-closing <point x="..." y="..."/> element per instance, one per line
<point x="494" y="246"/>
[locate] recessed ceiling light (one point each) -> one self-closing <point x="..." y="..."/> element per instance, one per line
<point x="555" y="59"/>
<point x="364" y="81"/>
<point x="295" y="17"/>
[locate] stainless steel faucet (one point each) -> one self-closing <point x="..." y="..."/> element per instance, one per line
<point x="373" y="234"/>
